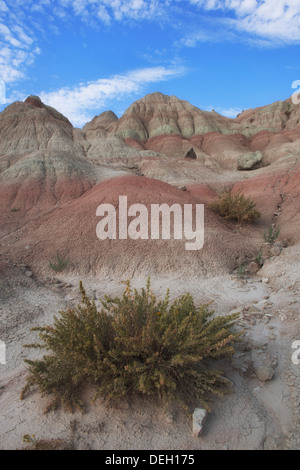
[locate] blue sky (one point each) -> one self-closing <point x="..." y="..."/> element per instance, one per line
<point x="84" y="57"/>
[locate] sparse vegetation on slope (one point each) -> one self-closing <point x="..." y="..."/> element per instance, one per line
<point x="236" y="207"/>
<point x="60" y="264"/>
<point x="271" y="234"/>
<point x="32" y="443"/>
<point x="133" y="344"/>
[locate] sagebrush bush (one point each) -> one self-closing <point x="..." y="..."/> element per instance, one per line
<point x="60" y="264"/>
<point x="235" y="207"/>
<point x="133" y="344"/>
<point x="271" y="234"/>
<point x="45" y="444"/>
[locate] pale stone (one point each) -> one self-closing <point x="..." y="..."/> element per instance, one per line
<point x="199" y="419"/>
<point x="250" y="160"/>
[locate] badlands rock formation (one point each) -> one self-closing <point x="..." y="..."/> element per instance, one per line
<point x="52" y="179"/>
<point x="160" y="122"/>
<point x="57" y="175"/>
<point x="40" y="158"/>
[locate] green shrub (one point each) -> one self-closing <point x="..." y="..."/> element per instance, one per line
<point x="271" y="234"/>
<point x="235" y="207"/>
<point x="60" y="264"/>
<point x="241" y="270"/>
<point x="259" y="259"/>
<point x="45" y="444"/>
<point x="133" y="344"/>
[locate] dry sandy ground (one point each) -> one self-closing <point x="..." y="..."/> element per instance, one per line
<point x="262" y="412"/>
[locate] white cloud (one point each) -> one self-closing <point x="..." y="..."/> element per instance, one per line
<point x="194" y="37"/>
<point x="79" y="104"/>
<point x="279" y="20"/>
<point x="8" y="36"/>
<point x="103" y="15"/>
<point x="18" y="47"/>
<point x="231" y="112"/>
<point x="13" y="62"/>
<point x="275" y="20"/>
<point x="20" y="27"/>
<point x="3" y="6"/>
<point x="23" y="37"/>
<point x="260" y="22"/>
<point x="118" y="10"/>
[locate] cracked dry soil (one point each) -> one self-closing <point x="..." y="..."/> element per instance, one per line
<point x="263" y="412"/>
